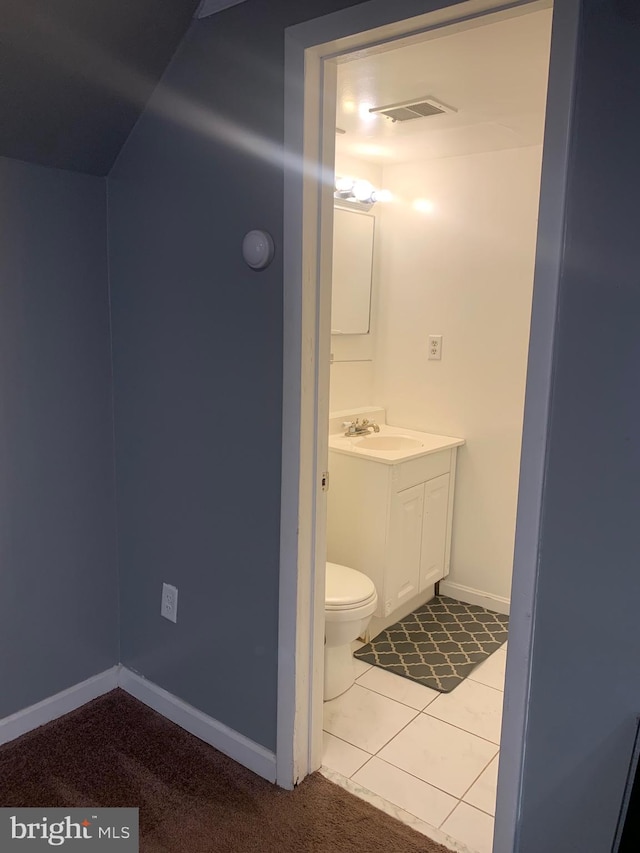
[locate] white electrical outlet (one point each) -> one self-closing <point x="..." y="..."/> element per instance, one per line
<point x="169" y="606"/>
<point x="435" y="347"/>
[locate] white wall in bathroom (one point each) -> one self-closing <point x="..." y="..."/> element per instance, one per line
<point x="352" y="367"/>
<point x="464" y="270"/>
<point x="351" y="385"/>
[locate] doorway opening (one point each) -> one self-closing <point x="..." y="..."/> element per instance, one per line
<point x="452" y="266"/>
<point x="438" y="158"/>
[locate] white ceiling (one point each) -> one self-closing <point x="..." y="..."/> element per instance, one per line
<point x="494" y="74"/>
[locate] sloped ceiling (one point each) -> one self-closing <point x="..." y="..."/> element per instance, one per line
<point x="76" y="74"/>
<point x="210" y="7"/>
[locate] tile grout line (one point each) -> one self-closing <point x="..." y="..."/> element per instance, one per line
<point x="478" y="809"/>
<point x="460" y="729"/>
<point x="362" y="768"/>
<point x="386" y="743"/>
<point x="392" y="736"/>
<point x="474" y="782"/>
<point x="399" y="701"/>
<point x="442" y="823"/>
<point x="348" y="742"/>
<point x="417" y="778"/>
<point x="469" y="806"/>
<point x="490" y="686"/>
<point x="423" y="710"/>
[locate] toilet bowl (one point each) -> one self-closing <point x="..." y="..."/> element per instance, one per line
<point x="350" y="599"/>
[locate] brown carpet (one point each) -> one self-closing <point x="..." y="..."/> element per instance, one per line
<point x="115" y="751"/>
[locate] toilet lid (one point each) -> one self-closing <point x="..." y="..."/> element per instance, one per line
<point x="346" y="587"/>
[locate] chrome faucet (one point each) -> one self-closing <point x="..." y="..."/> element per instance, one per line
<point x="358" y="427"/>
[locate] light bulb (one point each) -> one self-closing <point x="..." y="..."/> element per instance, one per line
<point x="344" y="185"/>
<point x="382" y="195"/>
<point x="362" y="190"/>
<point x="364" y="111"/>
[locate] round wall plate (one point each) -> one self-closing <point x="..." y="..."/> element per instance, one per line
<point x="258" y="249"/>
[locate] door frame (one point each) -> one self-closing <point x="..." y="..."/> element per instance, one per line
<point x="311" y="49"/>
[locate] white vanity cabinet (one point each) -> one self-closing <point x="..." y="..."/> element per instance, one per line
<point x="392" y="521"/>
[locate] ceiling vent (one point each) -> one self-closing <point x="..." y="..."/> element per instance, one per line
<point x="408" y="110"/>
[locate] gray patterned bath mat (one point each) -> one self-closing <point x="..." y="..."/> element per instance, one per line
<point x="439" y="644"/>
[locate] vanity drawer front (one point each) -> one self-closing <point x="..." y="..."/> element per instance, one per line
<point x="419" y="470"/>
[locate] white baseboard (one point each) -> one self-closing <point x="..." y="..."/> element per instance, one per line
<point x="475" y="596"/>
<point x="56" y="706"/>
<point x="243" y="750"/>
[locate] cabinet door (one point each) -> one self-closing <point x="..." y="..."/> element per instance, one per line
<point x="402" y="576"/>
<point x="434" y="530"/>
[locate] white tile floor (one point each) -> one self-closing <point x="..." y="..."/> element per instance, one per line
<point x="432" y="755"/>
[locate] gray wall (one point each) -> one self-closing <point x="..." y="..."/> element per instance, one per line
<point x="198" y="369"/>
<point x="57" y="555"/>
<point x="585" y="688"/>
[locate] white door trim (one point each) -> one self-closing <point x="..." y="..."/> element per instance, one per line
<point x="549" y="251"/>
<point x="308" y="211"/>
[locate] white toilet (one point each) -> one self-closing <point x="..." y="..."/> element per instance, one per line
<point x="350" y="600"/>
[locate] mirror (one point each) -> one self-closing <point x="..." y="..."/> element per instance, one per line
<point x="353" y="233"/>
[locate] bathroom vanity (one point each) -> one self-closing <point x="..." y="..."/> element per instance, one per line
<point x="390" y="510"/>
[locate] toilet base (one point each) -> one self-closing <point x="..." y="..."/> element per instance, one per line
<point x="339" y="670"/>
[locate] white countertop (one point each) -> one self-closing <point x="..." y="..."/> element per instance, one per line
<point x="428" y="443"/>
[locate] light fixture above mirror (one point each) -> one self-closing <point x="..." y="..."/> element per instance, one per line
<point x="356" y="191"/>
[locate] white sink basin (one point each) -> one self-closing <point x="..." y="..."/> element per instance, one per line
<point x="393" y="445"/>
<point x="388" y="442"/>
